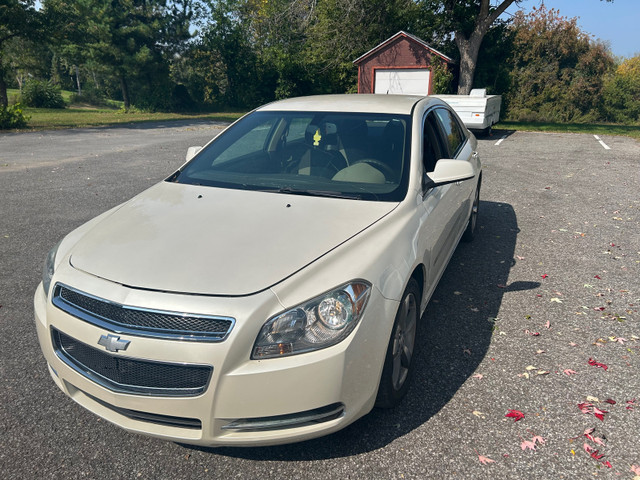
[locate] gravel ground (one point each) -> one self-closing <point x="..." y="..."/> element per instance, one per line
<point x="549" y="286"/>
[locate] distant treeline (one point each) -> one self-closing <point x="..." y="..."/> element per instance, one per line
<point x="190" y="55"/>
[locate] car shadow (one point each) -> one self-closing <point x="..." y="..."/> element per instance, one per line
<point x="455" y="334"/>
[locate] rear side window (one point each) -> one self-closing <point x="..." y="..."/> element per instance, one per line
<point x="453" y="133"/>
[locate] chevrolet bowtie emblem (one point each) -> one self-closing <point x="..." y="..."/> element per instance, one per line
<point x="113" y="343"/>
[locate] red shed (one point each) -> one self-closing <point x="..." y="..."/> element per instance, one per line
<point x="400" y="64"/>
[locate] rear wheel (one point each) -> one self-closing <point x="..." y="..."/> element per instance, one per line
<point x="397" y="370"/>
<point x="470" y="232"/>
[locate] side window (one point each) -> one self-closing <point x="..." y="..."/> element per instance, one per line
<point x="452" y="131"/>
<point x="251" y="142"/>
<point x="432" y="148"/>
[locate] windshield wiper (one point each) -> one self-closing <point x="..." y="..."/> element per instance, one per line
<point x="318" y="193"/>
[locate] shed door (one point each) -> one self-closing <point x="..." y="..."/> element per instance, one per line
<point x="407" y="81"/>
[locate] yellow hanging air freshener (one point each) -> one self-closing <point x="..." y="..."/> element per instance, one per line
<point x="317" y="137"/>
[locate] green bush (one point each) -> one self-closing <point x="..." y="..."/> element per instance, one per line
<point x="91" y="97"/>
<point x="41" y="94"/>
<point x="12" y="117"/>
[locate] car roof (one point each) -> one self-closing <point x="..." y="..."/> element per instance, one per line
<point x="365" y="103"/>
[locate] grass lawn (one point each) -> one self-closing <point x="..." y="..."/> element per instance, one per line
<point x="51" y="118"/>
<point x="594" y="129"/>
<point x="88" y="116"/>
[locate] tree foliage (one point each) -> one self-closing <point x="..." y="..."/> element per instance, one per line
<point x="622" y="93"/>
<point x="557" y="71"/>
<point x="18" y="19"/>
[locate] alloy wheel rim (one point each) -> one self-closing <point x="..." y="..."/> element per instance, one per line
<point x="404" y="341"/>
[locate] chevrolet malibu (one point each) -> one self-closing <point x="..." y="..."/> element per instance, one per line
<point x="271" y="289"/>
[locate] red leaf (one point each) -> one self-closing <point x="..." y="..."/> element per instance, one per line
<point x="544" y="275"/>
<point x="528" y="444"/>
<point x="485" y="460"/>
<point x="515" y="414"/>
<point x="610" y="401"/>
<point x="607" y="464"/>
<point x="568" y="371"/>
<point x="598" y="441"/>
<point x="599" y="414"/>
<point x="597" y="276"/>
<point x="593" y="363"/>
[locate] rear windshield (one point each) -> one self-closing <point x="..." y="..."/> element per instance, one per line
<point x="359" y="156"/>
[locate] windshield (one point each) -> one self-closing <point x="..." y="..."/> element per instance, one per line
<point x="351" y="155"/>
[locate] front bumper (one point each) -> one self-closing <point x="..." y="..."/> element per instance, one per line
<point x="245" y="402"/>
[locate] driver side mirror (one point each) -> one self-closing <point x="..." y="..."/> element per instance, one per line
<point x="191" y="152"/>
<point x="448" y="171"/>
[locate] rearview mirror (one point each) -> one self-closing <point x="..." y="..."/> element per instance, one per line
<point x="191" y="152"/>
<point x="449" y="171"/>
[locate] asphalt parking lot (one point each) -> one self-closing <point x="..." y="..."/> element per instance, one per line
<point x="526" y="318"/>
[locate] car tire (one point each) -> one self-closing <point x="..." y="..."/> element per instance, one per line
<point x="398" y="364"/>
<point x="470" y="232"/>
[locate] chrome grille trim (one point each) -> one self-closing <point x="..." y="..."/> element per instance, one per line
<point x="139" y="321"/>
<point x="165" y="420"/>
<point x="122" y="374"/>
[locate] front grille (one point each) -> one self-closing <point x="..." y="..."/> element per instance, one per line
<point x="166" y="420"/>
<point x="139" y="321"/>
<point x="127" y="375"/>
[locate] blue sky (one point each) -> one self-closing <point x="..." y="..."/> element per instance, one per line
<point x="616" y="23"/>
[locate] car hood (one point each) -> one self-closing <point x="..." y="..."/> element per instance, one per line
<point x="215" y="241"/>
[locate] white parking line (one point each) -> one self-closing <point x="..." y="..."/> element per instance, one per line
<point x="606" y="147"/>
<point x="500" y="141"/>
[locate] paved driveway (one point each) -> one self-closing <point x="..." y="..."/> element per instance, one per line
<point x="551" y="282"/>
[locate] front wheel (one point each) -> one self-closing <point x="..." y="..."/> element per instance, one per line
<point x="398" y="363"/>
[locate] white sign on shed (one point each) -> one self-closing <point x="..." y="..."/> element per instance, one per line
<point x="405" y="81"/>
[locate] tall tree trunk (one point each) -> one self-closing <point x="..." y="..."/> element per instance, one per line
<point x="125" y="92"/>
<point x="469" y="45"/>
<point x="78" y="79"/>
<point x="468" y="48"/>
<point x="4" y="100"/>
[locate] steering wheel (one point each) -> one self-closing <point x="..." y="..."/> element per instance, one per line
<point x="386" y="170"/>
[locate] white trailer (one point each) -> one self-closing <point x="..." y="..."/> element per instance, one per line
<point x="477" y="110"/>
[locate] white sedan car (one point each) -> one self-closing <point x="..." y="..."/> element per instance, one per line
<point x="270" y="290"/>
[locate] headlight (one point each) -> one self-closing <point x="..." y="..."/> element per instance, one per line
<point x="49" y="267"/>
<point x="318" y="323"/>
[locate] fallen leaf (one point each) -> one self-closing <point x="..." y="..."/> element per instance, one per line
<point x="515" y="414"/>
<point x="610" y="401"/>
<point x="544" y="275"/>
<point x="593" y="363"/>
<point x="556" y="299"/>
<point x="478" y="414"/>
<point x="538" y="352"/>
<point x="548" y="324"/>
<point x="543" y="372"/>
<point x="528" y="444"/>
<point x="599" y="414"/>
<point x="530" y="367"/>
<point x="597" y="276"/>
<point x="568" y="371"/>
<point x="598" y="441"/>
<point x="479" y="376"/>
<point x="533" y="334"/>
<point x="635" y="469"/>
<point x="538" y="439"/>
<point x="592" y="399"/>
<point x="485" y="460"/>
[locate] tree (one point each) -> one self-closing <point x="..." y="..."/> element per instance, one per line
<point x="133" y="39"/>
<point x="557" y="72"/>
<point x="18" y="19"/>
<point x="622" y="92"/>
<point x="468" y="21"/>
